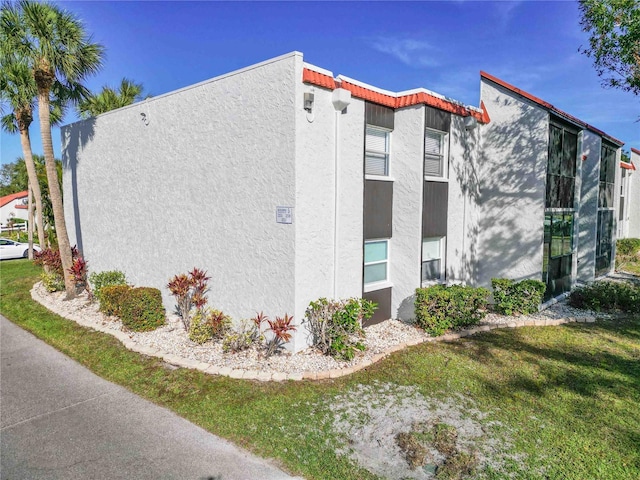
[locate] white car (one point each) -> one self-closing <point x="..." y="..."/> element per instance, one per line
<point x="11" y="249"/>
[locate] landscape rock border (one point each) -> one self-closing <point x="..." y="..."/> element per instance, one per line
<point x="537" y="320"/>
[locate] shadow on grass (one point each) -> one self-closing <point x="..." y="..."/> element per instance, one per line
<point x="582" y="359"/>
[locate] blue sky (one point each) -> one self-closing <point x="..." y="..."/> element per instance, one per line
<point x="441" y="46"/>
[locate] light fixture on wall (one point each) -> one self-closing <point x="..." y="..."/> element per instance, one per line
<point x="470" y="123"/>
<point x="341" y="98"/>
<point x="308" y="101"/>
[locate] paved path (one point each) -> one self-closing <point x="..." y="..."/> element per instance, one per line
<point x="60" y="421"/>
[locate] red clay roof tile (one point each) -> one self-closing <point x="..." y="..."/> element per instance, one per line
<point x="11" y="197"/>
<point x="322" y="80"/>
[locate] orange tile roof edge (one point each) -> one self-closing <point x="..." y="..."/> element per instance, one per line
<point x="635" y="150"/>
<point x="627" y="165"/>
<point x="547" y="105"/>
<point x="326" y="81"/>
<point x="11" y="197"/>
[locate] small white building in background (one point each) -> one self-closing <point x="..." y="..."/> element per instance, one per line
<point x="14" y="205"/>
<point x="629" y="215"/>
<point x="287" y="184"/>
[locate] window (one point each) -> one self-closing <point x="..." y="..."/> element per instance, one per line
<point x="607" y="176"/>
<point x="434" y="154"/>
<point x="376" y="158"/>
<point x="376" y="259"/>
<point x="561" y="168"/>
<point x="432" y="261"/>
<point x="557" y="257"/>
<point x="604" y="246"/>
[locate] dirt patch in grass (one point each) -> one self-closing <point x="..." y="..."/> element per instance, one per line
<point x="397" y="433"/>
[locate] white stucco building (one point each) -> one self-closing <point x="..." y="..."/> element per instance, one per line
<point x="14" y="206"/>
<point x="288" y="183"/>
<point x="629" y="212"/>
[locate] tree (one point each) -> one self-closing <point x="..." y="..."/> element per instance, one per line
<point x="55" y="46"/>
<point x="614" y="41"/>
<point x="110" y="99"/>
<point x="13" y="178"/>
<point x="18" y="90"/>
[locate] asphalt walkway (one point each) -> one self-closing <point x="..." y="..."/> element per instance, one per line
<point x="60" y="421"/>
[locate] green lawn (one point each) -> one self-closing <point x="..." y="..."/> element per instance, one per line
<point x="567" y="398"/>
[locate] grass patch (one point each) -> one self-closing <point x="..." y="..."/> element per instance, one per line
<point x="566" y="397"/>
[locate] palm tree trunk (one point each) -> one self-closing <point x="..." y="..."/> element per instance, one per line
<point x="54" y="192"/>
<point x="30" y="222"/>
<point x="33" y="181"/>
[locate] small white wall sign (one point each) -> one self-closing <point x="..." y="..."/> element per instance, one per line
<point x="284" y="214"/>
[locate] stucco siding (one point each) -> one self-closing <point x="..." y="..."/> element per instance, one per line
<point x="328" y="238"/>
<point x="406" y="169"/>
<point x="462" y="230"/>
<point x="195" y="182"/>
<point x="512" y="172"/>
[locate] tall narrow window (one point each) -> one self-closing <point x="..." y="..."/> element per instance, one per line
<point x="432" y="259"/>
<point x="607" y="176"/>
<point x="561" y="169"/>
<point x="376" y="160"/>
<point x="434" y="154"/>
<point x="376" y="258"/>
<point x="557" y="261"/>
<point x="604" y="243"/>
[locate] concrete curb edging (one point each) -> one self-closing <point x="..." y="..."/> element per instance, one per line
<point x="207" y="368"/>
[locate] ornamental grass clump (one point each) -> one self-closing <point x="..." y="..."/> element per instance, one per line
<point x="207" y="324"/>
<point x="242" y="337"/>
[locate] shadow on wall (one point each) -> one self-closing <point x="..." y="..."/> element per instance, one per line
<point x="76" y="136"/>
<point x="507" y="186"/>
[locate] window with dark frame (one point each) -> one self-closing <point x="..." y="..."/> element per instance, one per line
<point x="561" y="168"/>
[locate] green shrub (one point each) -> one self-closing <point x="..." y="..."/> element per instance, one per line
<point x="242" y="337"/>
<point x="628" y="246"/>
<point x="335" y="325"/>
<point x="607" y="296"/>
<point x="512" y="298"/>
<point x="103" y="279"/>
<point x="52" y="281"/>
<point x="207" y="324"/>
<point x="441" y="308"/>
<point x="142" y="309"/>
<point x="112" y="297"/>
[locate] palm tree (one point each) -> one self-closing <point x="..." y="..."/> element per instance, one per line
<point x="18" y="91"/>
<point x="56" y="47"/>
<point x="110" y="99"/>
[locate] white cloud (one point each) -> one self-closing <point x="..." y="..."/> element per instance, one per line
<point x="414" y="53"/>
<point x="504" y="11"/>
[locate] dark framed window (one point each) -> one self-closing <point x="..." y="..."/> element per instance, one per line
<point x="607" y="176"/>
<point x="557" y="260"/>
<point x="604" y="245"/>
<point x="561" y="167"/>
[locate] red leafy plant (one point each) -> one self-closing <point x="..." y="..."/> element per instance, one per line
<point x="79" y="273"/>
<point x="280" y="327"/>
<point x="190" y="290"/>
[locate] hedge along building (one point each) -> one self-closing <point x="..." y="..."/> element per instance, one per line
<point x="288" y="184"/>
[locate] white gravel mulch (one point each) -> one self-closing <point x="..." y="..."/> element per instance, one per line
<point x="172" y="339"/>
